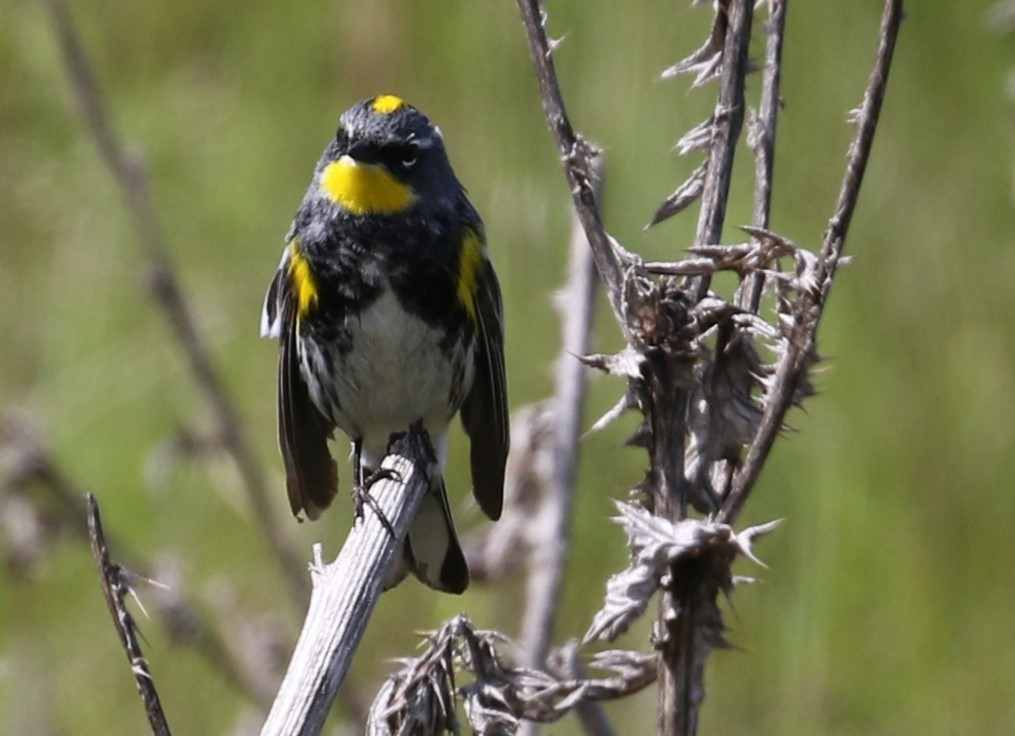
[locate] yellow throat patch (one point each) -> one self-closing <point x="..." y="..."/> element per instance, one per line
<point x="365" y="189"/>
<point x="387" y="104"/>
<point x="470" y="261"/>
<point x="302" y="279"/>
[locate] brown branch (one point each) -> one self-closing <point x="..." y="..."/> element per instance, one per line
<point x="26" y="461"/>
<point x="761" y="136"/>
<point x="115" y="588"/>
<point x="685" y="343"/>
<point x="130" y="177"/>
<point x="727" y="122"/>
<point x="577" y="156"/>
<point x="793" y="365"/>
<point x="682" y="648"/>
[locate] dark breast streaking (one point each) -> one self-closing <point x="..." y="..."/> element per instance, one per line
<point x="388" y="311"/>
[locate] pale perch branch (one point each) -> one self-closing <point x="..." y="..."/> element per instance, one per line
<point x="345" y="592"/>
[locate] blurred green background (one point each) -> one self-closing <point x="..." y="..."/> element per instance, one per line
<point x="888" y="605"/>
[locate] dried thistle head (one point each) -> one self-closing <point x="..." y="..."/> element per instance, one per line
<point x="419" y="699"/>
<point x="658" y="547"/>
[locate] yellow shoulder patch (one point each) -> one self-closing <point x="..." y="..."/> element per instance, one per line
<point x="387" y="104"/>
<point x="365" y="189"/>
<point x="302" y="279"/>
<point x="470" y="263"/>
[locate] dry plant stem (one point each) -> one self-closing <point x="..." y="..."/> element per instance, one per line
<point x="187" y="626"/>
<point x="115" y="589"/>
<point x="728" y="121"/>
<point x="592" y="717"/>
<point x="675" y="711"/>
<point x="768" y="112"/>
<point x="681" y="669"/>
<point x="668" y="402"/>
<point x="345" y="592"/>
<point x="577" y="156"/>
<point x="794" y="360"/>
<point x="749" y="294"/>
<point x="577" y="307"/>
<point x="133" y="183"/>
<point x="576" y="304"/>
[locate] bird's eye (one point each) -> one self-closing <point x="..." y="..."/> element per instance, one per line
<point x="408" y="155"/>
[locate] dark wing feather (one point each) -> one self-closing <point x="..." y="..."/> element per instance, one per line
<point x="310" y="473"/>
<point x="484" y="411"/>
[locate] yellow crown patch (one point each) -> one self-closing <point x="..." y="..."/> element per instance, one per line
<point x="387" y="104"/>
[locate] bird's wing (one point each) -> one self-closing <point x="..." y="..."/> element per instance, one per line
<point x="484" y="411"/>
<point x="311" y="474"/>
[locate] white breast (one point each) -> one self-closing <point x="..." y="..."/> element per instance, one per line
<point x="395" y="375"/>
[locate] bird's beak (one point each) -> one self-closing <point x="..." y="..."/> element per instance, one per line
<point x="361" y="152"/>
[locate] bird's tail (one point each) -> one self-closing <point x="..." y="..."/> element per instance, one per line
<point x="432" y="552"/>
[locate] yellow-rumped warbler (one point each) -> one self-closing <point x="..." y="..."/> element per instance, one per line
<point x="387" y="311"/>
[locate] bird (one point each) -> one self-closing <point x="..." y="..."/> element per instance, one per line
<point x="387" y="311"/>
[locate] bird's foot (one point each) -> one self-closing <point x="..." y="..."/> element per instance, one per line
<point x="361" y="496"/>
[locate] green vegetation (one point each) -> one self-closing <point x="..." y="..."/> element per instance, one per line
<point x="889" y="598"/>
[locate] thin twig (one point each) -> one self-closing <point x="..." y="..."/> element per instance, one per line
<point x="763" y="128"/>
<point x="794" y="361"/>
<point x="132" y="181"/>
<point x="577" y="156"/>
<point x="768" y="112"/>
<point x="549" y="555"/>
<point x="727" y="122"/>
<point x="859" y="149"/>
<point x="577" y="308"/>
<point x="115" y="589"/>
<point x="345" y="592"/>
<point x="28" y="461"/>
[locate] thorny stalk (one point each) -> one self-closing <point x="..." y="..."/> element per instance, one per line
<point x="711" y="403"/>
<point x="115" y="588"/>
<point x="794" y="363"/>
<point x="727" y="121"/>
<point x="762" y="128"/>
<point x="130" y="177"/>
<point x="25" y="462"/>
<point x="577" y="155"/>
<point x="682" y="647"/>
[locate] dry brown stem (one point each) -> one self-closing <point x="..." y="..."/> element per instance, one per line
<point x="712" y="405"/>
<point x="132" y="181"/>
